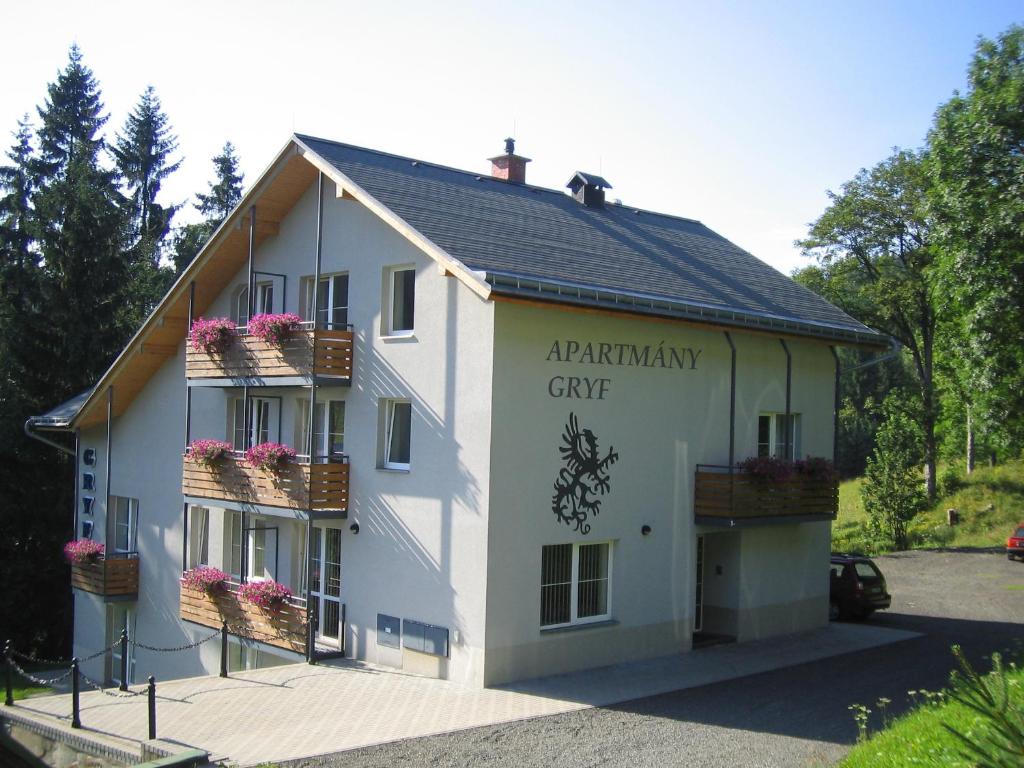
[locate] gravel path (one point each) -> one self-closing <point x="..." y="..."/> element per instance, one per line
<point x="791" y="717"/>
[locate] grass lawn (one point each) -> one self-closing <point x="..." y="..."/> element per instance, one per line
<point x="23" y="689"/>
<point x="991" y="502"/>
<point x="919" y="739"/>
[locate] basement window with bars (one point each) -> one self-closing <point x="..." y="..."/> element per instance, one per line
<point x="575" y="584"/>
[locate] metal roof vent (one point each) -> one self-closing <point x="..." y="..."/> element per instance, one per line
<point x="510" y="166"/>
<point x="588" y="188"/>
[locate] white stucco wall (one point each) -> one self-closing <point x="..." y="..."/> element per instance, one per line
<point x="421" y="547"/>
<point x="662" y="422"/>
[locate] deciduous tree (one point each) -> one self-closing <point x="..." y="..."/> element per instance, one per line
<point x="874" y="247"/>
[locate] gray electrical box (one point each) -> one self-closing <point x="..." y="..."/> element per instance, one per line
<point x="389" y="631"/>
<point x="425" y="638"/>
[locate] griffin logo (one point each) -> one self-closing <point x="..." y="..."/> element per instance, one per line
<point x="584" y="476"/>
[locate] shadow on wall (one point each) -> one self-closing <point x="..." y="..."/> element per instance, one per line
<point x="425" y="570"/>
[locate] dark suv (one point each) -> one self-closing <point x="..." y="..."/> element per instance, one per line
<point x="856" y="587"/>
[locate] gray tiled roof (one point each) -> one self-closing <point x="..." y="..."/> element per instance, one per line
<point x="62" y="415"/>
<point x="513" y="231"/>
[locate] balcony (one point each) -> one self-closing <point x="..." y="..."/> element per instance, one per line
<point x="729" y="497"/>
<point x="305" y="353"/>
<point x="283" y="626"/>
<point x="114" y="577"/>
<point x="317" y="487"/>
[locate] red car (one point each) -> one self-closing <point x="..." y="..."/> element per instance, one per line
<point x="1015" y="544"/>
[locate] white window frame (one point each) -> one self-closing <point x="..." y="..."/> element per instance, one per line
<point x="320" y="594"/>
<point x="574" y="618"/>
<point x="257" y="413"/>
<point x="120" y="617"/>
<point x="233" y="543"/>
<point x="389" y="407"/>
<point x="328" y="288"/>
<point x="199" y="536"/>
<point x="264" y="301"/>
<point x="777" y="437"/>
<point x="321" y="431"/>
<point x="130" y="525"/>
<point x="390" y="305"/>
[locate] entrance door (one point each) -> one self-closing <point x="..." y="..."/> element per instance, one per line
<point x="325" y="587"/>
<point x="119" y="618"/>
<point x="698" y="611"/>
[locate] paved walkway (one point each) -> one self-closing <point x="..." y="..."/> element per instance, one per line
<point x="296" y="711"/>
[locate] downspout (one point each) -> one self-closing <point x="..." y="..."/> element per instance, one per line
<point x="310" y="627"/>
<point x="29" y="422"/>
<point x="787" y="446"/>
<point x="732" y="401"/>
<point x="74" y="516"/>
<point x="835" y="407"/>
<point x="251" y="303"/>
<point x="188" y="427"/>
<point x="110" y="420"/>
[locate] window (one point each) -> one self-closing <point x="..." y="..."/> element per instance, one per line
<point x="771" y="435"/>
<point x="396" y="443"/>
<point x="400" y="290"/>
<point x="264" y="302"/>
<point x="326" y="583"/>
<point x="233" y="530"/>
<point x="120" y="618"/>
<point x="574" y="584"/>
<point x="328" y="428"/>
<point x="122" y="524"/>
<point x="263" y="423"/>
<point x="331" y="301"/>
<point x="198" y="537"/>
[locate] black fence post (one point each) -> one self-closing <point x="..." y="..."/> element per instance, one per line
<point x="152" y="707"/>
<point x="124" y="661"/>
<point x="8" y="681"/>
<point x="311" y="632"/>
<point x="76" y="720"/>
<point x="344" y="629"/>
<point x="224" y="649"/>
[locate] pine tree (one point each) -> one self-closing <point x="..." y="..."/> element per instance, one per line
<point x="223" y="196"/>
<point x="143" y="153"/>
<point x="80" y="231"/>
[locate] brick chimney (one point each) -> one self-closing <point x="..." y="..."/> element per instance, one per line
<point x="510" y="166"/>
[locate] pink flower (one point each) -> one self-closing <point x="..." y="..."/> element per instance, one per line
<point x="208" y="452"/>
<point x="768" y="468"/>
<point x="273" y="329"/>
<point x="815" y="467"/>
<point x="83" y="551"/>
<point x="204" y="579"/>
<point x="265" y="594"/>
<point x="213" y="335"/>
<point x="269" y="456"/>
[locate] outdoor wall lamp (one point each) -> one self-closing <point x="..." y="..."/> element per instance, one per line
<point x="354" y="528"/>
<point x="645" y="530"/>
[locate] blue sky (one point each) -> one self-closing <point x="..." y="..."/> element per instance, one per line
<point x="739" y="114"/>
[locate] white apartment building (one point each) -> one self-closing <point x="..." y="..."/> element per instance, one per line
<point x="516" y="412"/>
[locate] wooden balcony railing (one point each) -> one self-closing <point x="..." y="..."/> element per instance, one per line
<point x="730" y="494"/>
<point x="283" y="626"/>
<point x="320" y="487"/>
<point x="114" y="577"/>
<point x="305" y="352"/>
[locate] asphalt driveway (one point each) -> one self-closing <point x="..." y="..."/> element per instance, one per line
<point x="797" y="716"/>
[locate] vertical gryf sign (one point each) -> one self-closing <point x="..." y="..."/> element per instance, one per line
<point x="583" y="476"/>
